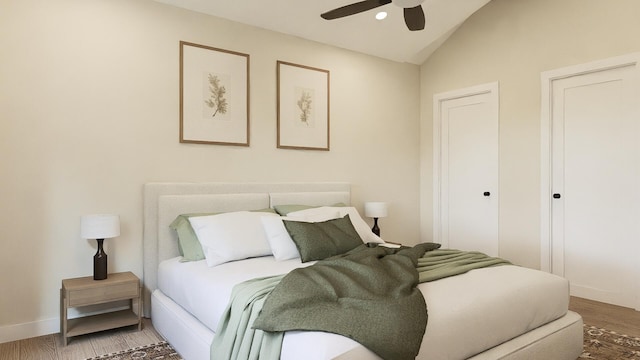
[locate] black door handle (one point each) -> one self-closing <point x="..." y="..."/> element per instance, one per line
<point x="486" y="193"/>
<point x="556" y="196"/>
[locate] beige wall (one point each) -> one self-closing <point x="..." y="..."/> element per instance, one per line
<point x="513" y="41"/>
<point x="89" y="113"/>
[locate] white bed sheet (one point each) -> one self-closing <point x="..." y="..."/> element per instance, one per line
<point x="205" y="291"/>
<point x="485" y="307"/>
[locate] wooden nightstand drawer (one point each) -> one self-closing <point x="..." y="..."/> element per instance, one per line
<point x="103" y="294"/>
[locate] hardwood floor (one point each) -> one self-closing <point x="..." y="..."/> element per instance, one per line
<point x="617" y="318"/>
<point x="49" y="347"/>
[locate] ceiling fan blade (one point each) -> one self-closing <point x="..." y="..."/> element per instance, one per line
<point x="414" y="18"/>
<point x="353" y="9"/>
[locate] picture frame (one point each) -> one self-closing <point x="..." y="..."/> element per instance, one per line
<point x="303" y="107"/>
<point x="214" y="95"/>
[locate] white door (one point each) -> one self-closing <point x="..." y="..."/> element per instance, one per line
<point x="594" y="182"/>
<point x="466" y="169"/>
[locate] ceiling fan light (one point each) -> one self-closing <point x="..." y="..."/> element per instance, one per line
<point x="408" y="3"/>
<point x="381" y="15"/>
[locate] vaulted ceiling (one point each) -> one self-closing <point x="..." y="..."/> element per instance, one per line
<point x="388" y="38"/>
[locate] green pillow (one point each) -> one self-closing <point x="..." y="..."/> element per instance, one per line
<point x="320" y="240"/>
<point x="188" y="244"/>
<point x="285" y="209"/>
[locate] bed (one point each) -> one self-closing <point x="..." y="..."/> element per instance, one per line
<point x="502" y="312"/>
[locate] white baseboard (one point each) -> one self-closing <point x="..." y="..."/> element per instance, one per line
<point x="29" y="330"/>
<point x="52" y="326"/>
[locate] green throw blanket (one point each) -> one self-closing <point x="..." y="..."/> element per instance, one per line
<point x="367" y="294"/>
<point x="443" y="263"/>
<point x="235" y="338"/>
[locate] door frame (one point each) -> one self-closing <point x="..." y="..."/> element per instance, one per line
<point x="491" y="88"/>
<point x="546" y="137"/>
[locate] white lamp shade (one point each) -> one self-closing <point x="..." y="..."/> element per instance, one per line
<point x="99" y="226"/>
<point x="375" y="209"/>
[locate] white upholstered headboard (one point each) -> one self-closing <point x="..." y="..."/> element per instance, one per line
<point x="164" y="201"/>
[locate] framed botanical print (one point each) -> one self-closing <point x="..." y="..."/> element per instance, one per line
<point x="214" y="95"/>
<point x="303" y="107"/>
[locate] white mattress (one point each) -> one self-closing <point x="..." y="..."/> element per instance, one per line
<point x="485" y="307"/>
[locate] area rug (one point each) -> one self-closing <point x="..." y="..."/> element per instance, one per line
<point x="158" y="351"/>
<point x="603" y="344"/>
<point x="599" y="344"/>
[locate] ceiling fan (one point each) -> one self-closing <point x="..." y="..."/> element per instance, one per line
<point x="413" y="13"/>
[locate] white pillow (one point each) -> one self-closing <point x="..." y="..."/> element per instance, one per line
<point x="317" y="214"/>
<point x="231" y="236"/>
<point x="282" y="245"/>
<point x="361" y="226"/>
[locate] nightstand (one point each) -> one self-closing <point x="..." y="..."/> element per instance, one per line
<point x="86" y="291"/>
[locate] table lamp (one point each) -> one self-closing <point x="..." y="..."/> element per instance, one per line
<point x="375" y="210"/>
<point x="99" y="227"/>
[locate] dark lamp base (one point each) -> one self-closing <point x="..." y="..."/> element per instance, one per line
<point x="100" y="263"/>
<point x="375" y="229"/>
